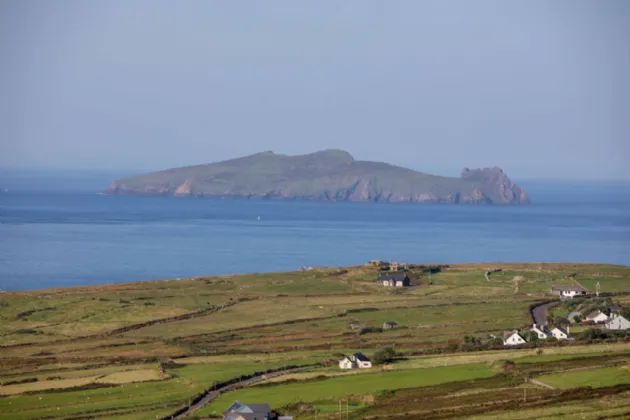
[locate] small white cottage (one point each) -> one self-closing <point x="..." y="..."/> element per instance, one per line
<point x="597" y="317"/>
<point x="542" y="333"/>
<point x="357" y="360"/>
<point x="560" y="333"/>
<point x="513" y="339"/>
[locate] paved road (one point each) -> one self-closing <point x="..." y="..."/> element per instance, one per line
<point x="214" y="394"/>
<point x="539" y="313"/>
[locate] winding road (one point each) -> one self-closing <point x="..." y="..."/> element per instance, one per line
<point x="211" y="395"/>
<point x="539" y="313"/>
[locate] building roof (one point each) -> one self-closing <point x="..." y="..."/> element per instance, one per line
<point x="593" y="314"/>
<point x="390" y="323"/>
<point x="617" y="318"/>
<point x="361" y="357"/>
<point x="508" y="334"/>
<point x="562" y="330"/>
<point x="392" y="276"/>
<point x="543" y="329"/>
<point x="568" y="288"/>
<point x="246" y="411"/>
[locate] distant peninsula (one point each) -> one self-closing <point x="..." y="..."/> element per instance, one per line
<point x="331" y="175"/>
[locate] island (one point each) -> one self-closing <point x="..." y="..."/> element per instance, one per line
<point x="331" y="175"/>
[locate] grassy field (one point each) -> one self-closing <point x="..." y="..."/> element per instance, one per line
<point x="593" y="377"/>
<point x="330" y="390"/>
<point x="142" y="350"/>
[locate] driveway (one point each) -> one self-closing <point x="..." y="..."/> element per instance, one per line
<point x="539" y="313"/>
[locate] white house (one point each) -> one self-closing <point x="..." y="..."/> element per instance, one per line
<point x="560" y="333"/>
<point x="542" y="333"/>
<point x="597" y="316"/>
<point x="357" y="360"/>
<point x="362" y="361"/>
<point x="568" y="291"/>
<point x="346" y="363"/>
<point x="617" y="322"/>
<point x="513" y="339"/>
<point x="393" y="279"/>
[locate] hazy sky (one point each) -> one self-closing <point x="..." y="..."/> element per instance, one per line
<point x="540" y="88"/>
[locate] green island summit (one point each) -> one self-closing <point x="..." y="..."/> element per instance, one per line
<point x="331" y="175"/>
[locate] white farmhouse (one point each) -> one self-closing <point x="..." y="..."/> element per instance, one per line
<point x="568" y="291"/>
<point x="597" y="317"/>
<point x="617" y="322"/>
<point x="542" y="333"/>
<point x="513" y="339"/>
<point x="560" y="333"/>
<point x="357" y="360"/>
<point x="346" y="363"/>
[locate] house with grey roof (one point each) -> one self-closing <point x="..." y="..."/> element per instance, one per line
<point x="393" y="279"/>
<point x="240" y="411"/>
<point x="614" y="308"/>
<point x="568" y="291"/>
<point x="617" y="322"/>
<point x="560" y="333"/>
<point x="597" y="317"/>
<point x="390" y="325"/>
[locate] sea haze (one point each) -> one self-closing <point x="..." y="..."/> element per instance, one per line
<point x="55" y="234"/>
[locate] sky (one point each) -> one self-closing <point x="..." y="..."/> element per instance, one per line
<point x="540" y="88"/>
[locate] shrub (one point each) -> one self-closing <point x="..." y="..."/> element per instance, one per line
<point x="368" y="330"/>
<point x="508" y="366"/>
<point x="383" y="356"/>
<point x="27" y="331"/>
<point x="558" y="320"/>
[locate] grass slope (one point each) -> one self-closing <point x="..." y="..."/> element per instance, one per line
<point x="210" y="329"/>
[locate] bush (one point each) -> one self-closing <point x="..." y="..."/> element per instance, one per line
<point x="368" y="330"/>
<point x="508" y="366"/>
<point x="383" y="356"/>
<point x="593" y="334"/>
<point x="558" y="320"/>
<point x="27" y="331"/>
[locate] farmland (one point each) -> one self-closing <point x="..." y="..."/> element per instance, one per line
<point x="143" y="350"/>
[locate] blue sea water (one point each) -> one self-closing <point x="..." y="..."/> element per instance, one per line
<point x="68" y="237"/>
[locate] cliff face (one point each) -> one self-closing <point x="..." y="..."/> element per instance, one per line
<point x="328" y="175"/>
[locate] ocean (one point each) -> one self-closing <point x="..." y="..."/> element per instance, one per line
<point x="57" y="237"/>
